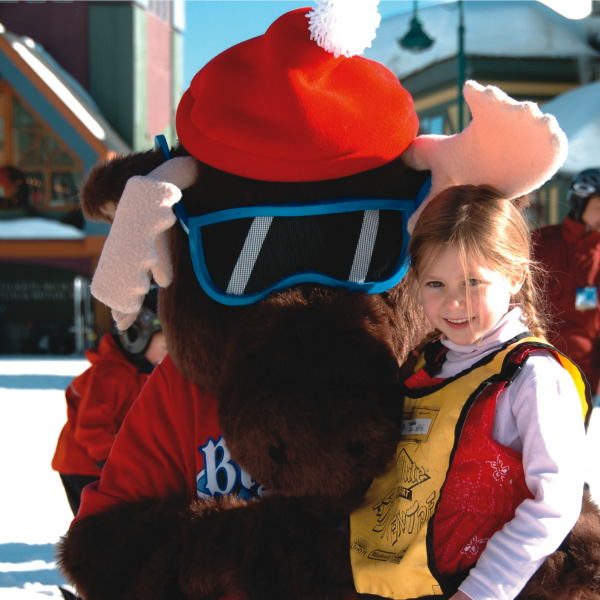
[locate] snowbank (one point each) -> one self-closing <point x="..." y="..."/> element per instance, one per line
<point x="38" y="228"/>
<point x="578" y="114"/>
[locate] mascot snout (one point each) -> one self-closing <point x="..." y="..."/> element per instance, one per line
<point x="315" y="367"/>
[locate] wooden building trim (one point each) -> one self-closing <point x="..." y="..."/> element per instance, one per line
<point x="90" y="246"/>
<point x="512" y="88"/>
<point x="533" y="88"/>
<point x="94" y="144"/>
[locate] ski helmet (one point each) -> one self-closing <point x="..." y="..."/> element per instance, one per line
<point x="584" y="185"/>
<point x="136" y="338"/>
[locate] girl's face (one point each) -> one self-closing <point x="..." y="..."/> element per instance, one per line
<point x="442" y="292"/>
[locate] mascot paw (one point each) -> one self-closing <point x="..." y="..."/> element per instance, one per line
<point x="271" y="549"/>
<point x="108" y="555"/>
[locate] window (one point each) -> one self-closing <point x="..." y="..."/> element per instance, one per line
<point x="52" y="172"/>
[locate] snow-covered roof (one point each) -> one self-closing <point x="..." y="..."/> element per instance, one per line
<point x="492" y="28"/>
<point x="38" y="228"/>
<point x="578" y="114"/>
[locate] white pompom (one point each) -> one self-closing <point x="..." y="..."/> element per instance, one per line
<point x="344" y="27"/>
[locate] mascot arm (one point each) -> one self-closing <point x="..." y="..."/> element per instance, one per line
<point x="223" y="547"/>
<point x="273" y="548"/>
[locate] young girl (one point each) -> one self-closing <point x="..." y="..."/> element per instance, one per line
<point x="489" y="473"/>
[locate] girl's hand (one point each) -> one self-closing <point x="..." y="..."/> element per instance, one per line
<point x="460" y="596"/>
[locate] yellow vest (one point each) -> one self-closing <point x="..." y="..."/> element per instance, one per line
<point x="391" y="554"/>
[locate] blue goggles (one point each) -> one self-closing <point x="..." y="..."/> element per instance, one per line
<point x="241" y="255"/>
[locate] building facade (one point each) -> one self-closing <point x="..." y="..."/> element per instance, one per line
<point x="523" y="47"/>
<point x="79" y="82"/>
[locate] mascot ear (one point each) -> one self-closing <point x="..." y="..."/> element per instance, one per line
<point x="105" y="183"/>
<point x="510" y="145"/>
<point x="137" y="244"/>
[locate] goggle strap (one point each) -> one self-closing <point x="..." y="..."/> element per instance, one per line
<point x="160" y="143"/>
<point x="182" y="216"/>
<point x="365" y="247"/>
<point x="249" y="254"/>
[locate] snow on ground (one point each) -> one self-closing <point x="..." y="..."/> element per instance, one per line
<point x="34" y="509"/>
<point x="38" y="228"/>
<point x="578" y="114"/>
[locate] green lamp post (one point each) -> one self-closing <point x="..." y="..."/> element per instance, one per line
<point x="461" y="62"/>
<point x="416" y="40"/>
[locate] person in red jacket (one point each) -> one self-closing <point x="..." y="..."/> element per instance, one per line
<point x="570" y="252"/>
<point x="99" y="399"/>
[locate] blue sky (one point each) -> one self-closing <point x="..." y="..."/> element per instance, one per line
<point x="214" y="25"/>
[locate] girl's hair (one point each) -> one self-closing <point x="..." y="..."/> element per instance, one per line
<point x="487" y="228"/>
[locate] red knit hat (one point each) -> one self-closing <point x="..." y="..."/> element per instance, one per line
<point x="280" y="108"/>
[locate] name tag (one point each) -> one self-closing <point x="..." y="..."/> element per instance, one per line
<point x="586" y="298"/>
<point x="416" y="426"/>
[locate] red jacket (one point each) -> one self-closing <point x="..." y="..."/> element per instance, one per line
<point x="97" y="402"/>
<point x="170" y="446"/>
<point x="572" y="257"/>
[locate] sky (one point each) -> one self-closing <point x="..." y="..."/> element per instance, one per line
<point x="214" y="25"/>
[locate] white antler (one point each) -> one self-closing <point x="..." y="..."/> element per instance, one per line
<point x="137" y="243"/>
<point x="510" y="145"/>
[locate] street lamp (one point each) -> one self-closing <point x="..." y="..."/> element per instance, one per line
<point x="461" y="62"/>
<point x="416" y="40"/>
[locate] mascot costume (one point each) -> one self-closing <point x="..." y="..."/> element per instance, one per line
<point x="277" y="231"/>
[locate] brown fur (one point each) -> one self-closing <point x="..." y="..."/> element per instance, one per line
<point x="277" y="548"/>
<point x="105" y="183"/>
<point x="103" y="554"/>
<point x="318" y="369"/>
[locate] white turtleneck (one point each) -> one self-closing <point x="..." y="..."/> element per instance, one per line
<point x="540" y="416"/>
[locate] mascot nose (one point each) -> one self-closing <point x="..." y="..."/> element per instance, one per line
<point x="355" y="449"/>
<point x="306" y="390"/>
<point x="278" y="453"/>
